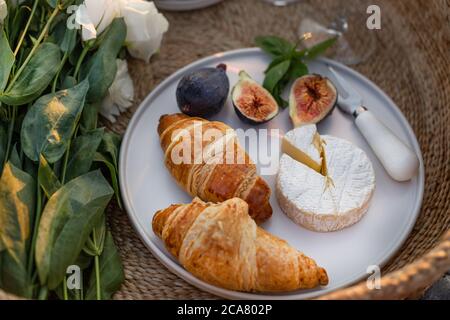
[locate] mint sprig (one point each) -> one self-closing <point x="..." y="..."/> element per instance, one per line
<point x="288" y="62"/>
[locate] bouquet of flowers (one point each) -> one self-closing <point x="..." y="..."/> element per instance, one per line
<point x="61" y="65"/>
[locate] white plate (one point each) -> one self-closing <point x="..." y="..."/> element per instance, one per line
<point x="184" y="5"/>
<point x="147" y="186"/>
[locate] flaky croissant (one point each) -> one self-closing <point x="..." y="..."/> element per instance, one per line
<point x="220" y="244"/>
<point x="204" y="177"/>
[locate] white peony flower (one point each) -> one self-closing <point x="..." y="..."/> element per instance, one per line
<point x="120" y="95"/>
<point x="3" y="11"/>
<point x="94" y="16"/>
<point x="145" y="27"/>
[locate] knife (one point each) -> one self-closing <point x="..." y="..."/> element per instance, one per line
<point x="400" y="162"/>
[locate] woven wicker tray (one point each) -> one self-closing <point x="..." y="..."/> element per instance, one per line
<point x="411" y="63"/>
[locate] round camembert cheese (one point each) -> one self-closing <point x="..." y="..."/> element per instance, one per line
<point x="324" y="183"/>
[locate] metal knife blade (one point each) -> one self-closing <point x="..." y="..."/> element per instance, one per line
<point x="349" y="100"/>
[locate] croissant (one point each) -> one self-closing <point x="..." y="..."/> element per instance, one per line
<point x="220" y="244"/>
<point x="207" y="172"/>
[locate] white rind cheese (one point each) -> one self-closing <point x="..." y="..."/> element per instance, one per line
<point x="332" y="202"/>
<point x="303" y="144"/>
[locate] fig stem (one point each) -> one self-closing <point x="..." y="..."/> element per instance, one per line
<point x="222" y="66"/>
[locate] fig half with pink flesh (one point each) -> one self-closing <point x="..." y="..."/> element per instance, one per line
<point x="252" y="102"/>
<point x="312" y="98"/>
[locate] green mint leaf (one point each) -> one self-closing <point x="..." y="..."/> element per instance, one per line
<point x="276" y="61"/>
<point x="317" y="50"/>
<point x="298" y="69"/>
<point x="275" y="74"/>
<point x="274" y="45"/>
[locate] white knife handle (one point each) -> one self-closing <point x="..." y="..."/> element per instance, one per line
<point x="399" y="161"/>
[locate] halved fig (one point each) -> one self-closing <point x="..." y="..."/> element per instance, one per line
<point x="252" y="102"/>
<point x="312" y="98"/>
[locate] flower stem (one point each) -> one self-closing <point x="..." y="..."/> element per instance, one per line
<point x="97" y="266"/>
<point x="81" y="287"/>
<point x="66" y="161"/>
<point x="37" y="219"/>
<point x="65" y="293"/>
<point x="35" y="46"/>
<point x="63" y="62"/>
<point x="86" y="49"/>
<point x="97" y="277"/>
<point x="27" y="26"/>
<point x="66" y="156"/>
<point x="43" y="293"/>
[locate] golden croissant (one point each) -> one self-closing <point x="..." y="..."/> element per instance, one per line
<point x="220" y="244"/>
<point x="205" y="177"/>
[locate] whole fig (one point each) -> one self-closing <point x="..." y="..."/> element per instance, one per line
<point x="203" y="92"/>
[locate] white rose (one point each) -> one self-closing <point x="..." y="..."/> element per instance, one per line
<point x="3" y="11"/>
<point x="94" y="16"/>
<point x="120" y="95"/>
<point x="145" y="27"/>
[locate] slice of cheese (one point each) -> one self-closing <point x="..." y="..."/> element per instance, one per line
<point x="305" y="145"/>
<point x="308" y="197"/>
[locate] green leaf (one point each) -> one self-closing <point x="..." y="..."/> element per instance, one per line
<point x="83" y="261"/>
<point x="17" y="205"/>
<point x="30" y="167"/>
<point x="52" y="3"/>
<point x="3" y="142"/>
<point x="95" y="243"/>
<point x="108" y="154"/>
<point x="82" y="153"/>
<point x="275" y="74"/>
<point x="317" y="50"/>
<point x="101" y="68"/>
<point x="110" y="146"/>
<point x="287" y="64"/>
<point x="36" y="76"/>
<point x="14" y="158"/>
<point x="111" y="272"/>
<point x="66" y="38"/>
<point x="6" y="60"/>
<point x="18" y="18"/>
<point x="274" y="45"/>
<point x="51" y="121"/>
<point x="277" y="96"/>
<point x="69" y="82"/>
<point x="17" y="198"/>
<point x="70" y="40"/>
<point x="113" y="174"/>
<point x="89" y="117"/>
<point x="276" y="61"/>
<point x="34" y="41"/>
<point x="67" y="220"/>
<point x="298" y="69"/>
<point x="47" y="178"/>
<point x="61" y="3"/>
